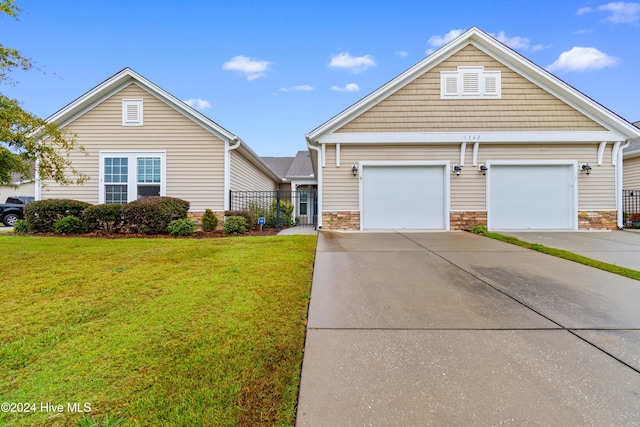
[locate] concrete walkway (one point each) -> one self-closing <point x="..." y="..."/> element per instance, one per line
<point x="618" y="247"/>
<point x="418" y="329"/>
<point x="297" y="230"/>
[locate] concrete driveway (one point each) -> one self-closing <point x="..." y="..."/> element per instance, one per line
<point x="457" y="329"/>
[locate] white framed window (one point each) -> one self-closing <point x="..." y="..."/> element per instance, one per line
<point x="470" y="83"/>
<point x="132" y="112"/>
<point x="127" y="176"/>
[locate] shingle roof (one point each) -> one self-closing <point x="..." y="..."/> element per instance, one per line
<point x="286" y="167"/>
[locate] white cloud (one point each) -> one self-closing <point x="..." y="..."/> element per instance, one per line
<point x="539" y="47"/>
<point x="198" y="104"/>
<point x="620" y="12"/>
<point x="402" y="53"/>
<point x="351" y="87"/>
<point x="300" y="88"/>
<point x="515" y="42"/>
<point x="437" y="41"/>
<point x="251" y="68"/>
<point x="354" y="64"/>
<point x="582" y="59"/>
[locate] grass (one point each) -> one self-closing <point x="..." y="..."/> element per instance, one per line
<point x="162" y="332"/>
<point x="611" y="268"/>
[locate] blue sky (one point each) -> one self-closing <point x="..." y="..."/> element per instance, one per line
<point x="271" y="71"/>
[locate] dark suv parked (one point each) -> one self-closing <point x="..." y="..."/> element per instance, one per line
<point x="13" y="209"/>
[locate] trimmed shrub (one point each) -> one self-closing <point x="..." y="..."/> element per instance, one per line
<point x="209" y="221"/>
<point x="20" y="226"/>
<point x="152" y="215"/>
<point x="235" y="225"/>
<point x="40" y="215"/>
<point x="69" y="225"/>
<point x="106" y="217"/>
<point x="181" y="227"/>
<point x="286" y="212"/>
<point x="245" y="214"/>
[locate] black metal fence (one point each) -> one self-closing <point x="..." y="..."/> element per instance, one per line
<point x="276" y="208"/>
<point x="631" y="208"/>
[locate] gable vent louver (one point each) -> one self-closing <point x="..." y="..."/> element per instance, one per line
<point x="132" y="112"/>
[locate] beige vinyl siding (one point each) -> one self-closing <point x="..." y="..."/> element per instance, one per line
<point x="631" y="180"/>
<point x="418" y="108"/>
<point x="468" y="190"/>
<point x="194" y="156"/>
<point x="246" y="177"/>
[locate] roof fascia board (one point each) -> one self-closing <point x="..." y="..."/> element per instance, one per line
<point x="552" y="84"/>
<point x="384" y="91"/>
<point x="118" y="82"/>
<point x="515" y="137"/>
<point x="501" y="53"/>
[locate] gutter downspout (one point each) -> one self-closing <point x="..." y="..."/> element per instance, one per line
<point x="227" y="168"/>
<point x="319" y="177"/>
<point x="619" y="184"/>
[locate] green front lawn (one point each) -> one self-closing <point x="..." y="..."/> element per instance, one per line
<point x="153" y="332"/>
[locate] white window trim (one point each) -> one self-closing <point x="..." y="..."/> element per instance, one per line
<point x="126" y="103"/>
<point x="132" y="180"/>
<point x="455" y="79"/>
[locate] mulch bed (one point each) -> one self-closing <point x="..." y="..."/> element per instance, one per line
<point x="197" y="235"/>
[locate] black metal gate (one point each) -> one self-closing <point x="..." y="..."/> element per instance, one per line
<point x="278" y="208"/>
<point x="631" y="208"/>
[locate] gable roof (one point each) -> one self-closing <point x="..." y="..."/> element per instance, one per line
<point x="291" y="167"/>
<point x="622" y="130"/>
<point x="127" y="76"/>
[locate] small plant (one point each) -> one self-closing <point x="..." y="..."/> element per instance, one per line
<point x="181" y="227"/>
<point x="69" y="225"/>
<point x="209" y="221"/>
<point x="20" y="226"/>
<point x="478" y="229"/>
<point x="235" y="225"/>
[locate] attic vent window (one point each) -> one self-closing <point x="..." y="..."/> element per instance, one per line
<point x="470" y="83"/>
<point x="132" y="112"/>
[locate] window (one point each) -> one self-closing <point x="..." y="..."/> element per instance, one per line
<point x="132" y="112"/>
<point x="127" y="176"/>
<point x="470" y="83"/>
<point x="303" y="202"/>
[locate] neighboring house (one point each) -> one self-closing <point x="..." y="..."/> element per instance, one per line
<point x="632" y="164"/>
<point x="22" y="187"/>
<point x="141" y="141"/>
<point x="297" y="177"/>
<point x="473" y="134"/>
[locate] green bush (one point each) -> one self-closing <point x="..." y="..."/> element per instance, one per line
<point x="478" y="229"/>
<point x="69" y="225"/>
<point x="181" y="227"/>
<point x="20" y="226"/>
<point x="245" y="214"/>
<point x="209" y="221"/>
<point x="107" y="217"/>
<point x="152" y="215"/>
<point x="40" y="215"/>
<point x="286" y="214"/>
<point x="235" y="225"/>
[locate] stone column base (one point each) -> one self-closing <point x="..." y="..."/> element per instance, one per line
<point x="597" y="220"/>
<point x="341" y="220"/>
<point x="464" y="220"/>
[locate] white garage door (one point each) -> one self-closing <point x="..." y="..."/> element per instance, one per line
<point x="531" y="197"/>
<point x="409" y="197"/>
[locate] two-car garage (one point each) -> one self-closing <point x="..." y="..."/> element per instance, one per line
<point x="519" y="196"/>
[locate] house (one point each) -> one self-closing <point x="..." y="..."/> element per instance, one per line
<point x="299" y="181"/>
<point x="140" y="141"/>
<point x="20" y="187"/>
<point x="632" y="164"/>
<point x="473" y="134"/>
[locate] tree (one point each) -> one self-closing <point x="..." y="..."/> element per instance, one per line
<point x="26" y="140"/>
